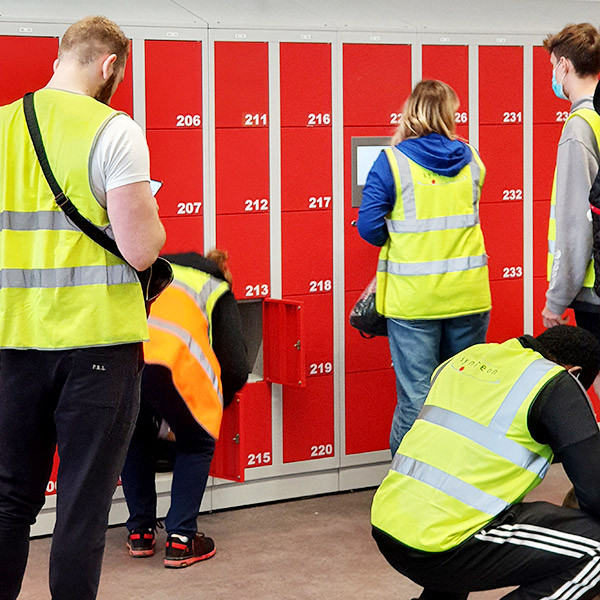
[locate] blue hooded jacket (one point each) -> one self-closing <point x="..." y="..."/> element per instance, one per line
<point x="434" y="152"/>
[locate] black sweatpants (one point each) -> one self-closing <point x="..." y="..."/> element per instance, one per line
<point x="86" y="401"/>
<point x="549" y="551"/>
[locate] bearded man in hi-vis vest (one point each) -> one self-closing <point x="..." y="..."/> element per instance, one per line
<point x="72" y="315"/>
<point x="451" y="515"/>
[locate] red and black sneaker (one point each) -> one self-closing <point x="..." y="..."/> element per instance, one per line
<point x="179" y="553"/>
<point x="141" y="543"/>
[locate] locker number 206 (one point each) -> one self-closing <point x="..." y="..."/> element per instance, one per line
<point x="188" y="121"/>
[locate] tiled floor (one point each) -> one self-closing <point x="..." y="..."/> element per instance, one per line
<point x="311" y="549"/>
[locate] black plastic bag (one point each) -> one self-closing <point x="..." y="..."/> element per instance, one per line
<point x="364" y="315"/>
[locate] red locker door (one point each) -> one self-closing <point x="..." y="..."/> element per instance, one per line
<point x="363" y="354"/>
<point x="184" y="234"/>
<point x="507" y="310"/>
<point x="241" y="84"/>
<point x="500" y="85"/>
<point x="501" y="149"/>
<point x="51" y="487"/>
<point x="245" y="439"/>
<point x="318" y="333"/>
<point x="242" y="171"/>
<point x="308" y="420"/>
<point x="377" y="81"/>
<point x="305" y="104"/>
<point x="307" y="252"/>
<point x="246" y="239"/>
<point x="306" y="164"/>
<point x="450" y="64"/>
<point x="176" y="160"/>
<point x="367" y="423"/>
<point x="173" y="84"/>
<point x="284" y="351"/>
<point x="26" y="65"/>
<point x="545" y="145"/>
<point x="502" y="226"/>
<point x="541" y="214"/>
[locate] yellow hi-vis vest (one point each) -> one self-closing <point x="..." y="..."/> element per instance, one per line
<point x="469" y="455"/>
<point x="433" y="264"/>
<point x="181" y="339"/>
<point x="58" y="288"/>
<point x="593" y="120"/>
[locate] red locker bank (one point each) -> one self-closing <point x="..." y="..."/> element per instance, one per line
<point x="262" y="127"/>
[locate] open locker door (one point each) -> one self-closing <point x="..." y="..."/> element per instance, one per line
<point x="245" y="439"/>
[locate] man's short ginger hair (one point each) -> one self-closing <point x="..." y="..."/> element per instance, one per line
<point x="580" y="44"/>
<point x="91" y="37"/>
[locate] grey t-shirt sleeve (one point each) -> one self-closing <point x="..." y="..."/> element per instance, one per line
<point x="576" y="169"/>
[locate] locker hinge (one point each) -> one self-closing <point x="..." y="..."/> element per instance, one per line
<point x="297" y="345"/>
<point x="236" y="439"/>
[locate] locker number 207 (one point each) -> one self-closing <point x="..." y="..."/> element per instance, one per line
<point x="188" y="208"/>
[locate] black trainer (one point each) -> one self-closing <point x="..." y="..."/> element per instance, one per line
<point x="180" y="554"/>
<point x="141" y="542"/>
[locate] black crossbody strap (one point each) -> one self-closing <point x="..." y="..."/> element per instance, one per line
<point x="63" y="202"/>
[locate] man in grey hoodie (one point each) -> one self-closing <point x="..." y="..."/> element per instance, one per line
<point x="575" y="58"/>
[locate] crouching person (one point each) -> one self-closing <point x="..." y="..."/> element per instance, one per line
<point x="195" y="362"/>
<point x="449" y="515"/>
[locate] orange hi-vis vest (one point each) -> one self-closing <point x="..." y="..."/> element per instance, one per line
<point x="180" y="338"/>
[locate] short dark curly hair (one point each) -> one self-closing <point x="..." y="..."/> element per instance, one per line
<point x="573" y="346"/>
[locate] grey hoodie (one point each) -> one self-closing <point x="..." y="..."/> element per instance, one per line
<point x="577" y="162"/>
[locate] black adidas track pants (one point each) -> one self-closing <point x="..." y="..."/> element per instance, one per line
<point x="550" y="552"/>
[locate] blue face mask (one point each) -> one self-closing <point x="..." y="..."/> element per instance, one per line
<point x="557" y="88"/>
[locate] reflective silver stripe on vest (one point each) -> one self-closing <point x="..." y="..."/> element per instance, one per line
<point x="434" y="267"/>
<point x="67" y="277"/>
<point x="49" y="220"/>
<point x="530" y="377"/>
<point x="35" y="221"/>
<point x="410" y="223"/>
<point x="201" y="297"/>
<point x="492" y="437"/>
<point x="496" y="442"/>
<point x="195" y="349"/>
<point x="553" y="211"/>
<point x="452" y="486"/>
<point x="551" y="246"/>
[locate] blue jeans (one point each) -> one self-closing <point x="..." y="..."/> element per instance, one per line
<point x="194" y="452"/>
<point x="418" y="346"/>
